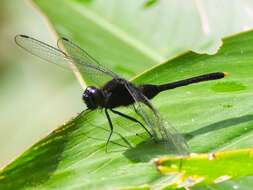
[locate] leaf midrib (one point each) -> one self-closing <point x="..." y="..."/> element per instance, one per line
<point x="116" y="31"/>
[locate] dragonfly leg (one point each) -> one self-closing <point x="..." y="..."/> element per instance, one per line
<point x="132" y="119"/>
<point x="122" y="137"/>
<point x="111" y="129"/>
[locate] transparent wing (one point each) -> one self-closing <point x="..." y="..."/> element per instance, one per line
<point x="86" y="65"/>
<point x="78" y="54"/>
<point x="161" y="130"/>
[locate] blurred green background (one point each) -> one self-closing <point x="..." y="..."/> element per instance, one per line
<point x="36" y="97"/>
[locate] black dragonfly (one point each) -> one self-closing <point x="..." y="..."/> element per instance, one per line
<point x="111" y="91"/>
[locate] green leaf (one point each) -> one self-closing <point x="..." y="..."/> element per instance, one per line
<point x="73" y="156"/>
<point x="150" y="3"/>
<point x="207" y="168"/>
<point x="167" y="28"/>
<point x="128" y="38"/>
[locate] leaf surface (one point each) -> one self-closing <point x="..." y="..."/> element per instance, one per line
<point x="212" y="116"/>
<point x="212" y="168"/>
<point x="129" y="36"/>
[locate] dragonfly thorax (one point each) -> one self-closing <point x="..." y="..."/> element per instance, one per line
<point x="93" y="97"/>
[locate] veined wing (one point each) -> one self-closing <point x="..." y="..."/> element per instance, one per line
<point x="161" y="130"/>
<point x="86" y="65"/>
<point x="79" y="55"/>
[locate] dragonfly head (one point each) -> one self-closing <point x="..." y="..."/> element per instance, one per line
<point x="93" y="97"/>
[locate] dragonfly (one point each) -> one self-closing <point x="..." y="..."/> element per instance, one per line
<point x="110" y="91"/>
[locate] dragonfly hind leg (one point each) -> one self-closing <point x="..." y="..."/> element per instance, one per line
<point x="132" y="119"/>
<point x="111" y="132"/>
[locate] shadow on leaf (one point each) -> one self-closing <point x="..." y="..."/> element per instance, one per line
<point x="219" y="125"/>
<point x="148" y="150"/>
<point x="45" y="156"/>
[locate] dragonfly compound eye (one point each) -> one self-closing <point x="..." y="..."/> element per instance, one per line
<point x="92" y="97"/>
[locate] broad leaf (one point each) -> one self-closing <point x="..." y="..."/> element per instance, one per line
<point x="129" y="36"/>
<point x="212" y="116"/>
<point x="212" y="168"/>
<point x="151" y="32"/>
